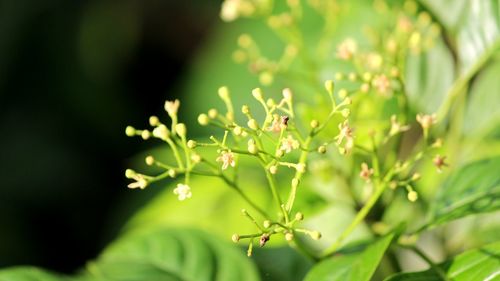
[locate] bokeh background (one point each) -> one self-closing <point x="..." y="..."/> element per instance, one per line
<point x="73" y="74"/>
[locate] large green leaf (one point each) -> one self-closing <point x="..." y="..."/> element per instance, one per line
<point x="482" y="114"/>
<point x="477" y="264"/>
<point x="281" y="264"/>
<point x="474" y="27"/>
<point x="472" y="189"/>
<point x="168" y="254"/>
<point x="28" y="273"/>
<point x="358" y="266"/>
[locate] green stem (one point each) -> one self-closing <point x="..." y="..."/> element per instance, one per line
<point x="275" y="193"/>
<point x="298" y="175"/>
<point x="357" y="220"/>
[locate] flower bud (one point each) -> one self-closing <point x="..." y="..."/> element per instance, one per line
<point x="181" y="130"/>
<point x="172" y="173"/>
<point x="154" y="121"/>
<point x="314" y="124"/>
<point x="267" y="224"/>
<point x="235" y="238"/>
<point x="237" y="130"/>
<point x="212" y="113"/>
<point x="342" y="93"/>
<point x="129" y="173"/>
<point x="145" y="134"/>
<point x="203" y="119"/>
<point x="322" y="149"/>
<point x="273" y="169"/>
<point x="339" y="76"/>
<point x="345" y="112"/>
<point x="299" y="216"/>
<point x="150" y="160"/>
<point x="257" y="94"/>
<point x="412" y="196"/>
<point x="289" y="236"/>
<point x="223" y="93"/>
<point x="329" y="86"/>
<point x="279" y="153"/>
<point x="287" y="95"/>
<point x="245" y="109"/>
<point x="252" y="124"/>
<point x="316" y="235"/>
<point x="196" y="158"/>
<point x="191" y="144"/>
<point x="130" y="131"/>
<point x="353" y="76"/>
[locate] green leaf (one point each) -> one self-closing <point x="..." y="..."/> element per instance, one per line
<point x="28" y="273"/>
<point x="477" y="264"/>
<point x="429" y="76"/>
<point x="474" y="27"/>
<point x="358" y="266"/>
<point x="472" y="189"/>
<point x="481" y="115"/>
<point x="169" y="254"/>
<point x="281" y="264"/>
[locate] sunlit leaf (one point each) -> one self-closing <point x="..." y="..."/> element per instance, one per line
<point x="358" y="266"/>
<point x="472" y="189"/>
<point x="167" y="254"/>
<point x="477" y="264"/>
<point x="27" y="273"/>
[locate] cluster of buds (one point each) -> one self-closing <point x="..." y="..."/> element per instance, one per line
<point x="267" y="229"/>
<point x="275" y="142"/>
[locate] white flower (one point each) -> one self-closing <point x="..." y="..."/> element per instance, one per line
<point x="345" y="133"/>
<point x="289" y="143"/>
<point x="172" y="106"/>
<point x="426" y="121"/>
<point x="182" y="191"/>
<point x="397" y="127"/>
<point x="140" y="182"/>
<point x="227" y="158"/>
<point x="346" y="49"/>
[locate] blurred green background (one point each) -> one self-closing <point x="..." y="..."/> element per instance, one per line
<point x="73" y="74"/>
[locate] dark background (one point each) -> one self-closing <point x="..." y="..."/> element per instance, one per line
<point x="73" y="74"/>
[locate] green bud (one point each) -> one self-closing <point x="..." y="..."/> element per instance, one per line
<point x="203" y="119"/>
<point x="191" y="144"/>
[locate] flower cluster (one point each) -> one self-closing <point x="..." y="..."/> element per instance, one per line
<point x="285" y="137"/>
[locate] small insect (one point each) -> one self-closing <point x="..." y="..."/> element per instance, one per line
<point x="284" y="120"/>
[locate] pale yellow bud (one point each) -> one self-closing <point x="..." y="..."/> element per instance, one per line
<point x="289" y="236"/>
<point x="267" y="224"/>
<point x="257" y="94"/>
<point x="245" y="109"/>
<point x="314" y="124"/>
<point x="322" y="149"/>
<point x="301" y="168"/>
<point x="235" y="238"/>
<point x="191" y="144"/>
<point x="252" y="124"/>
<point x="203" y="119"/>
<point x="316" y="235"/>
<point x="237" y="130"/>
<point x="145" y="134"/>
<point x="223" y="93"/>
<point x="150" y="160"/>
<point x="212" y="113"/>
<point x="181" y="129"/>
<point x="329" y="86"/>
<point x="130" y="131"/>
<point x="273" y="169"/>
<point x="129" y="173"/>
<point x="299" y="216"/>
<point x="154" y="121"/>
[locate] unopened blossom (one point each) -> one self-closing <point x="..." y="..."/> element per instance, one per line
<point x="227" y="159"/>
<point x="289" y="143"/>
<point x="183" y="191"/>
<point x="397" y="127"/>
<point x="440" y="162"/>
<point x="426" y="120"/>
<point x="404" y="24"/>
<point x="366" y="172"/>
<point x="345" y="134"/>
<point x="374" y="61"/>
<point x="172" y="107"/>
<point x="140" y="182"/>
<point x="346" y="49"/>
<point x="382" y="84"/>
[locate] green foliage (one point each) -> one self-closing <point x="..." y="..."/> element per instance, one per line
<point x="28" y="273"/>
<point x="478" y="264"/>
<point x="357" y="266"/>
<point x="470" y="190"/>
<point x="455" y="76"/>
